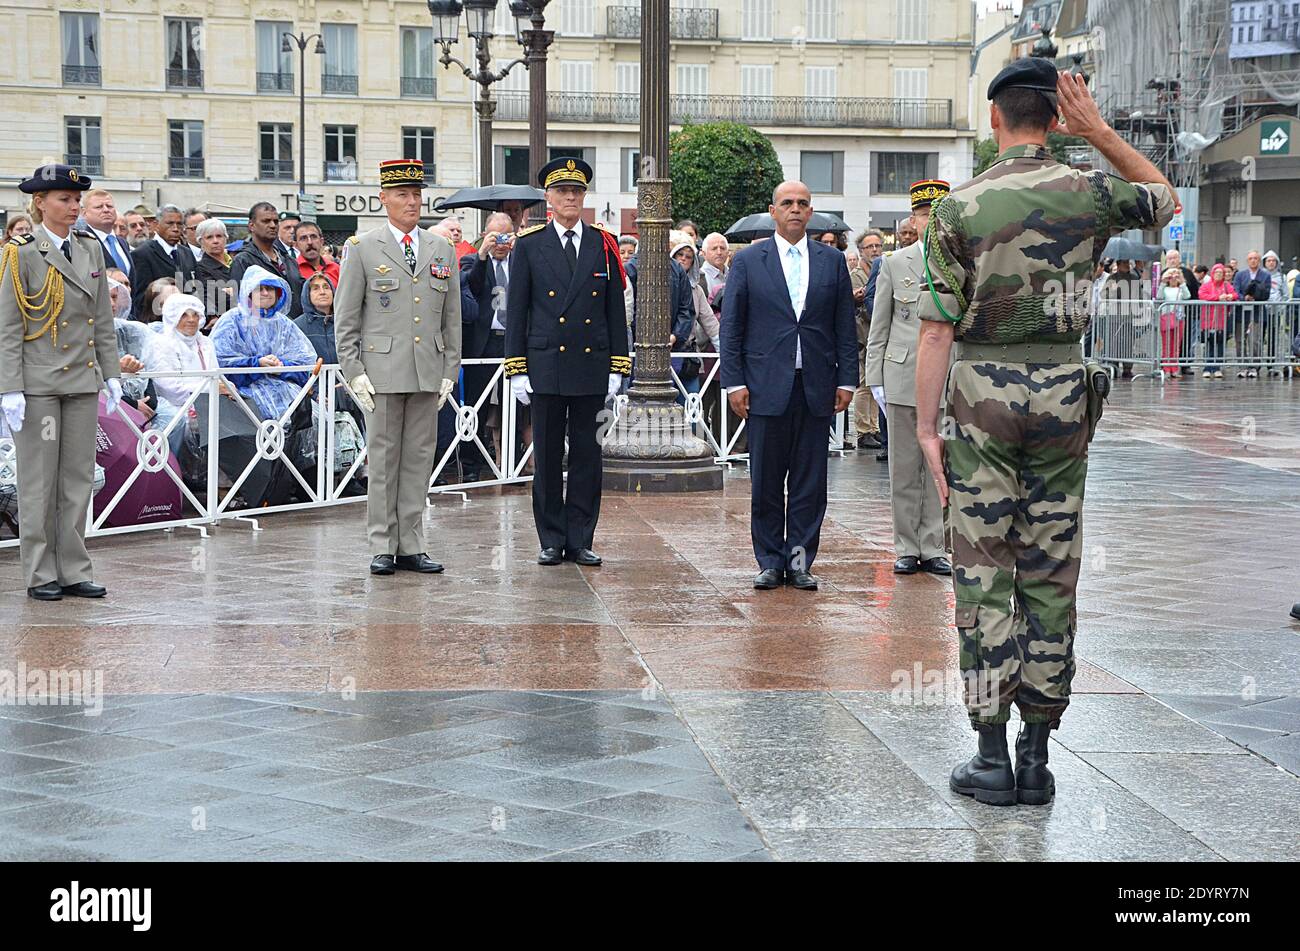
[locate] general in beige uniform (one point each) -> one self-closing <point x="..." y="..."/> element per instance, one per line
<point x="891" y="364"/>
<point x="397" y="326"/>
<point x="57" y="351"/>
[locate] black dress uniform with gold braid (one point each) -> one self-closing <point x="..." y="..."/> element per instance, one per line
<point x="57" y="351"/>
<point x="567" y="331"/>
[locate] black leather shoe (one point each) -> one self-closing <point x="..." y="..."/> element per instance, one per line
<point x="1295" y="611"/>
<point x="803" y="580"/>
<point x="868" y="441"/>
<point x="883" y="455"/>
<point x="937" y="566"/>
<point x="50" y="591"/>
<point x="583" y="556"/>
<point x="987" y="775"/>
<point x="421" y="563"/>
<point x="549" y="556"/>
<point x="907" y="565"/>
<point x="382" y="565"/>
<point x="769" y="578"/>
<point x="85" y="589"/>
<point x="1035" y="785"/>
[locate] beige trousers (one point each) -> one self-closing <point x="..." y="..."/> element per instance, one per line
<point x="403" y="435"/>
<point x="918" y="517"/>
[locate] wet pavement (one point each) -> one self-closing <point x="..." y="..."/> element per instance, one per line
<point x="265" y="698"/>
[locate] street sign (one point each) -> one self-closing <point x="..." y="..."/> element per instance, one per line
<point x="1175" y="232"/>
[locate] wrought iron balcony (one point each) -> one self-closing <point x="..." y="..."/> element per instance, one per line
<point x="751" y="110"/>
<point x="338" y="84"/>
<point x="184" y="79"/>
<point x="683" y="23"/>
<point x="419" y="87"/>
<point x="182" y="167"/>
<point x="86" y="164"/>
<point x="340" y="171"/>
<point x="275" y="82"/>
<point x="275" y="169"/>
<point x="81" y="75"/>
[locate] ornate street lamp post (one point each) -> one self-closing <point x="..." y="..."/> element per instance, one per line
<point x="287" y="42"/>
<point x="479" y="15"/>
<point x="652" y="448"/>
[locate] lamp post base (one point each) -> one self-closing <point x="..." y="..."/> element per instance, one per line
<point x="651" y="449"/>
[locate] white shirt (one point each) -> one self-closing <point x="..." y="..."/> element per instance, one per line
<point x="576" y="229"/>
<point x="109" y="243"/>
<point x="168" y="248"/>
<point x="783" y="248"/>
<point x="399" y="237"/>
<point x="198" y="254"/>
<point x="58" y="242"/>
<point x="504" y="266"/>
<point x="713" y="275"/>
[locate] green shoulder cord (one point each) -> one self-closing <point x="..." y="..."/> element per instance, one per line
<point x="931" y="244"/>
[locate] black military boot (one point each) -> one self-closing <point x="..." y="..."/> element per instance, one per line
<point x="987" y="775"/>
<point x="1035" y="785"/>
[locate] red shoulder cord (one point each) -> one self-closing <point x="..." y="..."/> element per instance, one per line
<point x="611" y="244"/>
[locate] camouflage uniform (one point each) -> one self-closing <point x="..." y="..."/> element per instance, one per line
<point x="1011" y="254"/>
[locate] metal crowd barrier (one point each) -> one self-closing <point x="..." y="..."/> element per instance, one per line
<point x="321" y="485"/>
<point x="1160" y="339"/>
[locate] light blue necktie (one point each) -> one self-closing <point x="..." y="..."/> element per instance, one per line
<point x="794" y="278"/>
<point x="115" y="246"/>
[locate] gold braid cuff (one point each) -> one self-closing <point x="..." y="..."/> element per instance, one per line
<point x="48" y="299"/>
<point x="516" y="366"/>
<point x="621" y="365"/>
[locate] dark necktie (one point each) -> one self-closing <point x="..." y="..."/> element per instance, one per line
<point x="503" y="282"/>
<point x="571" y="250"/>
<point x="67" y="250"/>
<point x="176" y="257"/>
<point x="408" y="251"/>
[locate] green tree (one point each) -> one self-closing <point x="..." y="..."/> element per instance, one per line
<point x="986" y="150"/>
<point x="721" y="171"/>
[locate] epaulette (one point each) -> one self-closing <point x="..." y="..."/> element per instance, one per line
<point x="22" y="239"/>
<point x="603" y="227"/>
<point x="354" y="240"/>
<point x="520" y="234"/>
<point x="82" y="234"/>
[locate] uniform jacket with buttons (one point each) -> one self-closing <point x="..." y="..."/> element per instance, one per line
<point x="79" y="351"/>
<point x="568" y="335"/>
<point x="895" y="326"/>
<point x="401" y="329"/>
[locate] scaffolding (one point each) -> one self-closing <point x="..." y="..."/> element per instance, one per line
<point x="1166" y="83"/>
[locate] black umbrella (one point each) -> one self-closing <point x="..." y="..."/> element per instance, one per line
<point x="752" y="227"/>
<point x="490" y="197"/>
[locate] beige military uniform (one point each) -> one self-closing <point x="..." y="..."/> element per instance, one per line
<point x="401" y="329"/>
<point x="864" y="407"/>
<point x="891" y="363"/>
<point x="60" y="372"/>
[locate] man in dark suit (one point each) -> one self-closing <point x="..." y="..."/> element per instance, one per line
<point x="566" y="354"/>
<point x="262" y="249"/>
<point x="164" y="255"/>
<point x="789" y="364"/>
<point x="487" y="276"/>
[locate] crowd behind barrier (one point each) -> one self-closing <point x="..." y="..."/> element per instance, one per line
<point x="156" y="487"/>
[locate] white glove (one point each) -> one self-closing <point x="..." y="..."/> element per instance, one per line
<point x="520" y="387"/>
<point x="364" y="392"/>
<point x="113" y="389"/>
<point x="14" y="406"/>
<point x="615" y="384"/>
<point x="443" y="392"/>
<point x="878" y="392"/>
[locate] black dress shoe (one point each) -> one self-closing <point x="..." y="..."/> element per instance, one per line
<point x="907" y="565"/>
<point x="50" y="591"/>
<point x="382" y="565"/>
<point x="421" y="563"/>
<point x="1295" y="611"/>
<point x="803" y="580"/>
<point x="85" y="589"/>
<point x="549" y="556"/>
<point x="868" y="441"/>
<point x="937" y="566"/>
<point x="769" y="578"/>
<point x="583" y="556"/>
<point x="883" y="455"/>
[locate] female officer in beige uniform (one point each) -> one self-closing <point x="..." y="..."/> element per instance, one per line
<point x="57" y="350"/>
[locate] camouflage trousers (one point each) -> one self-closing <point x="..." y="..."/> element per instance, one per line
<point x="1016" y="446"/>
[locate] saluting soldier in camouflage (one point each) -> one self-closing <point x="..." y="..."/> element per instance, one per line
<point x="1009" y="256"/>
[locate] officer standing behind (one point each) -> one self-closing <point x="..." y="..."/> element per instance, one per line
<point x="891" y="375"/>
<point x="566" y="354"/>
<point x="57" y="351"/>
<point x="397" y="325"/>
<point x="1009" y="257"/>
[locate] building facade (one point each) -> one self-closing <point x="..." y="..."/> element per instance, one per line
<point x="195" y="103"/>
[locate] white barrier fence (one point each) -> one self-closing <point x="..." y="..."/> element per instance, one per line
<point x="298" y="451"/>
